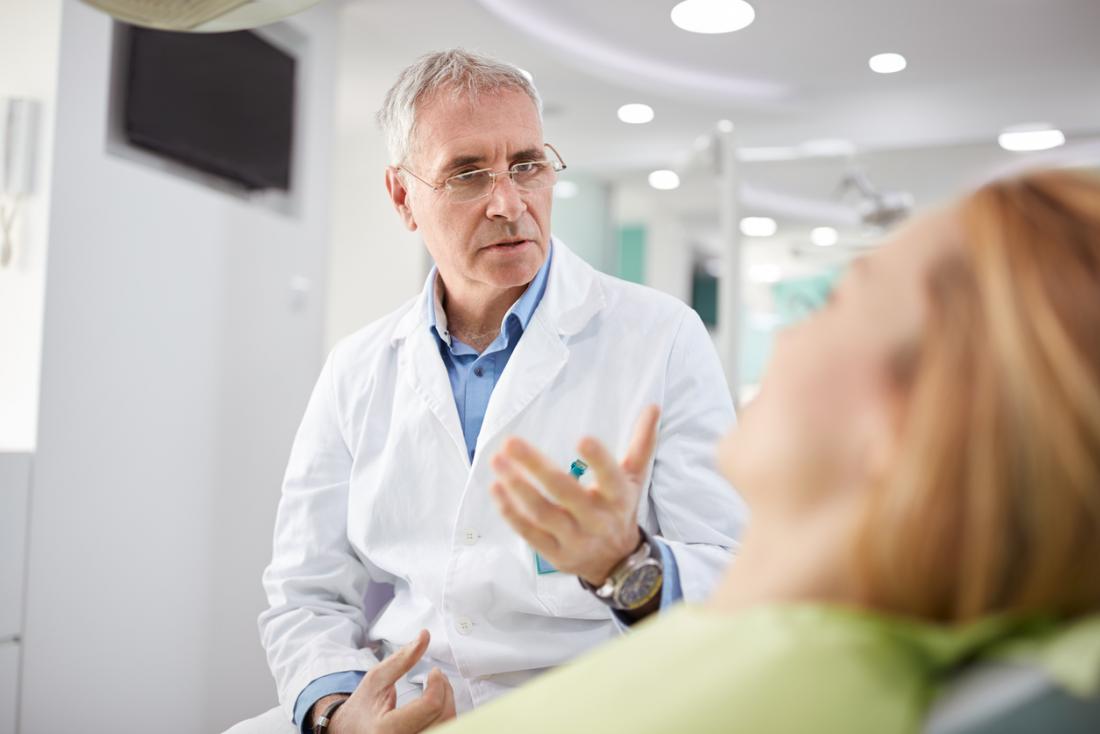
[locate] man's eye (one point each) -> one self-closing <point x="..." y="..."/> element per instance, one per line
<point x="527" y="167"/>
<point x="465" y="177"/>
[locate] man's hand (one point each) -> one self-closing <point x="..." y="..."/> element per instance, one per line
<point x="588" y="531"/>
<point x="372" y="709"/>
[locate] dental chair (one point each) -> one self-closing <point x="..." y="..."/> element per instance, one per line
<point x="1003" y="698"/>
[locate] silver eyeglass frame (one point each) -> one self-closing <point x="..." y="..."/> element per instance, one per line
<point x="444" y="186"/>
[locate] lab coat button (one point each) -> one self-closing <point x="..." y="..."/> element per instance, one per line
<point x="465" y="625"/>
<point x="470" y="536"/>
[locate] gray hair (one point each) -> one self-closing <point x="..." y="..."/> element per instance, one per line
<point x="460" y="72"/>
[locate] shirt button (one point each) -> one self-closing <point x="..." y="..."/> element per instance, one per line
<point x="478" y="371"/>
<point x="470" y="536"/>
<point x="464" y="625"/>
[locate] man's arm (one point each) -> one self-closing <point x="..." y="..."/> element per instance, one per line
<point x="700" y="518"/>
<point x="590" y="531"/>
<point x="315" y="584"/>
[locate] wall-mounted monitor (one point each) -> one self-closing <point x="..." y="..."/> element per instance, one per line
<point x="222" y="103"/>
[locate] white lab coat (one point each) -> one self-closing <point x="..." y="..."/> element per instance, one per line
<point x="379" y="487"/>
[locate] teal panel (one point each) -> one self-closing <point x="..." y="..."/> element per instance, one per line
<point x="632" y="253"/>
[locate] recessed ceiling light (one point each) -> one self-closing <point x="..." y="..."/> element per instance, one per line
<point x="758" y="226"/>
<point x="887" y="63"/>
<point x="635" y="113"/>
<point x="712" y="16"/>
<point x="725" y="126"/>
<point x="1031" y="137"/>
<point x="664" y="180"/>
<point x="565" y="189"/>
<point x="824" y="236"/>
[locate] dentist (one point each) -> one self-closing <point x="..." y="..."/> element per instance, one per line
<point x="390" y="476"/>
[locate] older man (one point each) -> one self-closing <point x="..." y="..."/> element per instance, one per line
<point x="390" y="475"/>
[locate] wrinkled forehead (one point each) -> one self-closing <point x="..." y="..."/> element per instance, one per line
<point x="453" y="123"/>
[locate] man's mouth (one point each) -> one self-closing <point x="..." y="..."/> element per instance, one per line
<point x="508" y="244"/>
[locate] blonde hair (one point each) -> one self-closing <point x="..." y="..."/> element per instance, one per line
<point x="993" y="504"/>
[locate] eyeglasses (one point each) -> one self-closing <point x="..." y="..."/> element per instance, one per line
<point x="473" y="185"/>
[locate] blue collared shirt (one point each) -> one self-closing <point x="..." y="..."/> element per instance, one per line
<point x="473" y="377"/>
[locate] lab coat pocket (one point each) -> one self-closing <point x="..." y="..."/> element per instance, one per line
<point x="563" y="596"/>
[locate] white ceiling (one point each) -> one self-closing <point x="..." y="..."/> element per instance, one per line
<point x="798" y="73"/>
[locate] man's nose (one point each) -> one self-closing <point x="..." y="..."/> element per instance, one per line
<point x="505" y="201"/>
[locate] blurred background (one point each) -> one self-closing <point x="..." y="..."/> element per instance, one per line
<point x="163" y="313"/>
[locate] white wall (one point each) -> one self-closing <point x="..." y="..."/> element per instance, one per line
<point x="175" y="368"/>
<point x="29" y="35"/>
<point x="375" y="264"/>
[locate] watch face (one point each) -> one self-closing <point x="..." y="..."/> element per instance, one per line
<point x="640" y="586"/>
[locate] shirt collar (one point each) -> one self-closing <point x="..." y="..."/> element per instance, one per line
<point x="522" y="310"/>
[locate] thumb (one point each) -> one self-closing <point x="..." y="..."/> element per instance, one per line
<point x="432" y="705"/>
<point x="382" y="676"/>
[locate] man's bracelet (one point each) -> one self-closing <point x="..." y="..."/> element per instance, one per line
<point x="320" y="724"/>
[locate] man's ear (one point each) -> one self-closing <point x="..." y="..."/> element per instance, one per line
<point x="399" y="195"/>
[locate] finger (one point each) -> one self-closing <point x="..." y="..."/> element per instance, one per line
<point x="381" y="677"/>
<point x="448" y="711"/>
<point x="560" y="484"/>
<point x="419" y="714"/>
<point x="539" y="539"/>
<point x="611" y="480"/>
<point x="643" y="443"/>
<point x="551" y="517"/>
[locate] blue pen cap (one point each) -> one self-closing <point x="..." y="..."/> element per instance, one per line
<point x="578" y="468"/>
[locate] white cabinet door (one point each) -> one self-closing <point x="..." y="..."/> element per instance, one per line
<point x="9" y="671"/>
<point x="15" y="473"/>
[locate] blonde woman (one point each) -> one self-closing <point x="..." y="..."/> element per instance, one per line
<point x="923" y="468"/>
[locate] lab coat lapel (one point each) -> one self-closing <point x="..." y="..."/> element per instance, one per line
<point x="422" y="366"/>
<point x="573" y="297"/>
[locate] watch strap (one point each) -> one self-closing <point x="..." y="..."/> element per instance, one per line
<point x="320" y="723"/>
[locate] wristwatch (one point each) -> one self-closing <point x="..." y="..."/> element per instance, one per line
<point x="635" y="581"/>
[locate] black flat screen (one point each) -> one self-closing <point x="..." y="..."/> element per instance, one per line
<point x="220" y="102"/>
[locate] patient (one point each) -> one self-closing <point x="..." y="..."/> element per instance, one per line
<point x="923" y="468"/>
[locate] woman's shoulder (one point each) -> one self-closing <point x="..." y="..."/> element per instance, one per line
<point x="766" y="669"/>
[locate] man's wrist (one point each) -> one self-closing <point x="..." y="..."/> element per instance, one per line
<point x="635" y="583"/>
<point x="639" y="538"/>
<point x="319" y="706"/>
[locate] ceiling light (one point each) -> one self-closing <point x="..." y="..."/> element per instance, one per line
<point x="636" y="114"/>
<point x="824" y="236"/>
<point x="887" y="63"/>
<point x="725" y="126"/>
<point x="712" y="16"/>
<point x="1031" y="137"/>
<point x="758" y="226"/>
<point x="664" y="180"/>
<point x="565" y="189"/>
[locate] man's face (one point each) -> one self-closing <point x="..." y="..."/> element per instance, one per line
<point x="493" y="243"/>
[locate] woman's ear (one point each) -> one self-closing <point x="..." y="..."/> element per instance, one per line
<point x="399" y="195"/>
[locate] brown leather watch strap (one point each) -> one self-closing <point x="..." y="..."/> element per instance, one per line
<point x="320" y="723"/>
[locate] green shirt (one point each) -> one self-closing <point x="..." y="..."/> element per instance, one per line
<point x="778" y="668"/>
